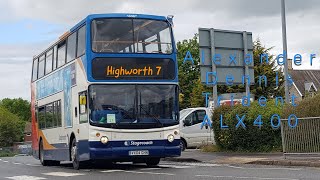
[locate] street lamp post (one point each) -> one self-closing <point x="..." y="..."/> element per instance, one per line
<point x="285" y="52"/>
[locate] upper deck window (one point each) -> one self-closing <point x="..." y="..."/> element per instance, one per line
<point x="61" y="53"/>
<point x="131" y="36"/>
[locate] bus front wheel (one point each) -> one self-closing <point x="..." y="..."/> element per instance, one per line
<point x="153" y="161"/>
<point x="74" y="155"/>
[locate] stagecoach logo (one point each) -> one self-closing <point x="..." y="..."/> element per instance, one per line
<point x="132" y="15"/>
<point x="137" y="143"/>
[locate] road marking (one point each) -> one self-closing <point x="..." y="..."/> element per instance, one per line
<point x="25" y="178"/>
<point x="136" y="172"/>
<point x="16" y="163"/>
<point x="175" y="166"/>
<point x="139" y="172"/>
<point x="278" y="168"/>
<point x="34" y="165"/>
<point x="196" y="164"/>
<point x="62" y="174"/>
<point x="237" y="177"/>
<point x="150" y="169"/>
<point x="6" y="161"/>
<point x="111" y="171"/>
<point x="236" y="167"/>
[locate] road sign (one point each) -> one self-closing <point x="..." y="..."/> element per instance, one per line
<point x="226" y="57"/>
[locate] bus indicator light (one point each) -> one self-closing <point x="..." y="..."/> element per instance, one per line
<point x="97" y="134"/>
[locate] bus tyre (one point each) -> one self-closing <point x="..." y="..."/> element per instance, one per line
<point x="74" y="155"/>
<point x="153" y="161"/>
<point x="183" y="145"/>
<point x="41" y="155"/>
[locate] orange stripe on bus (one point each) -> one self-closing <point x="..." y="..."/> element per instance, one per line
<point x="46" y="144"/>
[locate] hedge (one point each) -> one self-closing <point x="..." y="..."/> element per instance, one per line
<point x="308" y="107"/>
<point x="252" y="138"/>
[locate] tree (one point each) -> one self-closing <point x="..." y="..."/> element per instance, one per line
<point x="11" y="128"/>
<point x="188" y="73"/>
<point x="197" y="98"/>
<point x="270" y="70"/>
<point x="192" y="89"/>
<point x="17" y="106"/>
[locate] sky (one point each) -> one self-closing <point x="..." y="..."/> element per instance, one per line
<point x="29" y="26"/>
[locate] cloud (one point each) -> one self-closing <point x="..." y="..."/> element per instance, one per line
<point x="260" y="17"/>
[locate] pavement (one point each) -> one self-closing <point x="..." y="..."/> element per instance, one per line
<point x="28" y="168"/>
<point x="195" y="155"/>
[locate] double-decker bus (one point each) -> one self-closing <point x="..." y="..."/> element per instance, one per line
<point x="107" y="90"/>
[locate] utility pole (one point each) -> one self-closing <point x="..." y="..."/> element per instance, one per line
<point x="285" y="52"/>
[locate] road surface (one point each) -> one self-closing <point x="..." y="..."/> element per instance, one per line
<point x="27" y="168"/>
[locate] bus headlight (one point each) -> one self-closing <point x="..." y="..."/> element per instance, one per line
<point x="170" y="138"/>
<point x="104" y="139"/>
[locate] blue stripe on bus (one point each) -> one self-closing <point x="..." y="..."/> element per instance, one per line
<point x="116" y="150"/>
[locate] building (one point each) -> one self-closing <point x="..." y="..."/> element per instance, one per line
<point x="27" y="133"/>
<point x="305" y="82"/>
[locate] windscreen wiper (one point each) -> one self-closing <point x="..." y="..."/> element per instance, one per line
<point x="152" y="116"/>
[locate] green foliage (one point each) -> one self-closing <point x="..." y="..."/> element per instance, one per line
<point x="192" y="89"/>
<point x="308" y="107"/>
<point x="7" y="154"/>
<point x="210" y="148"/>
<point x="269" y="70"/>
<point x="197" y="99"/>
<point x="253" y="138"/>
<point x="11" y="128"/>
<point x="18" y="106"/>
<point x="188" y="72"/>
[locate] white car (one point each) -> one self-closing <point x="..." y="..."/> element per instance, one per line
<point x="190" y="128"/>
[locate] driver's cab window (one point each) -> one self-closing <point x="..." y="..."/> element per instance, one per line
<point x="189" y="119"/>
<point x="195" y="117"/>
<point x="200" y="114"/>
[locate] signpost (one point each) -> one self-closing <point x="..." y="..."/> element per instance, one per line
<point x="226" y="57"/>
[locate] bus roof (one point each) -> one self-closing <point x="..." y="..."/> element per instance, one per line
<point x="93" y="16"/>
<point x="117" y="15"/>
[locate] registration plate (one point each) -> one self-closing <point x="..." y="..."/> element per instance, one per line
<point x="139" y="153"/>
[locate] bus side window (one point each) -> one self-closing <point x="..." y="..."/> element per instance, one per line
<point x="71" y="47"/>
<point x="35" y="70"/>
<point x="83" y="107"/>
<point x="81" y="45"/>
<point x="41" y="66"/>
<point x="58" y="111"/>
<point x="55" y="118"/>
<point x="42" y="117"/>
<point x="55" y="55"/>
<point x="61" y="54"/>
<point x="49" y="116"/>
<point x="49" y="61"/>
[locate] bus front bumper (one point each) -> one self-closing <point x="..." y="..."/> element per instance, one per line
<point x="123" y="150"/>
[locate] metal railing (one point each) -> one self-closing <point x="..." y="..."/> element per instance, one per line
<point x="304" y="139"/>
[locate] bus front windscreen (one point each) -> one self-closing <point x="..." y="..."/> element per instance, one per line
<point x="133" y="106"/>
<point x="130" y="36"/>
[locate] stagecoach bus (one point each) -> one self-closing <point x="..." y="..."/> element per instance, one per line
<point x="107" y="91"/>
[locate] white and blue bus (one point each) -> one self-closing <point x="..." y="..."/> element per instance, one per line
<point x="107" y="90"/>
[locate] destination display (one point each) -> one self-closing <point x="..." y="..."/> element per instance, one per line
<point x="132" y="68"/>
